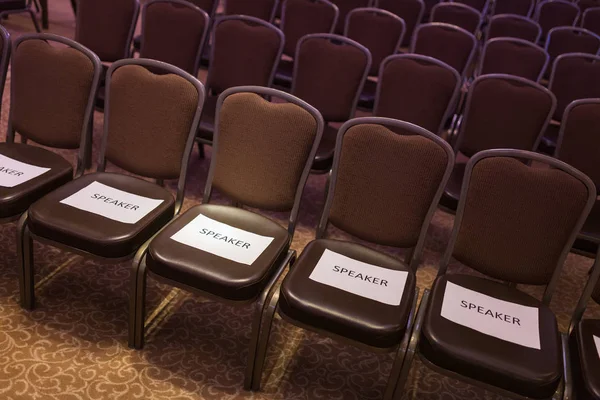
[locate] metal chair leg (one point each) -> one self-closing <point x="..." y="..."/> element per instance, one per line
<point x="264" y="341"/>
<point x="25" y="262"/>
<point x="137" y="303"/>
<point x="34" y="20"/>
<point x="567" y="378"/>
<point x="36" y="4"/>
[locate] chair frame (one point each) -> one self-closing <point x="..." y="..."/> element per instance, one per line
<point x="521" y="42"/>
<point x="271" y="17"/>
<point x="538" y="8"/>
<point x="585" y="13"/>
<point x="25" y="236"/>
<point x="326" y="2"/>
<point x="399" y="366"/>
<point x="191" y="6"/>
<point x="427" y="59"/>
<point x="375" y="3"/>
<point x="550" y="287"/>
<point x="28" y="10"/>
<point x="576" y="29"/>
<point x="528" y="15"/>
<point x="515" y="17"/>
<point x="454" y="4"/>
<point x="137" y="299"/>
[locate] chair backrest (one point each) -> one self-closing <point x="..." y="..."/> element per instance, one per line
<point x="106" y="27"/>
<point x="344" y="7"/>
<point x="417" y="89"/>
<point x="552" y="13"/>
<point x="448" y="43"/>
<point x="457" y="14"/>
<point x="144" y="134"/>
<point x="504" y="111"/>
<point x="516" y="7"/>
<point x="52" y="92"/>
<point x="208" y="6"/>
<point x="516" y="26"/>
<point x="378" y="30"/>
<point x="411" y="12"/>
<point x="591" y="20"/>
<point x="574" y="76"/>
<point x="514" y="57"/>
<point x="517" y="218"/>
<point x="480" y="5"/>
<point x="261" y="9"/>
<point x="245" y="51"/>
<point x="5" y="47"/>
<point x="263" y="151"/>
<point x="174" y="31"/>
<point x="386" y="195"/>
<point x="303" y="17"/>
<point x="329" y="73"/>
<point x="569" y="39"/>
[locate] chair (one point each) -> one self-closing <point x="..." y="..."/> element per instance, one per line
<point x="514" y="7"/>
<point x="577" y="145"/>
<point x="514" y="57"/>
<point x="386" y="196"/>
<point x="39" y="71"/>
<point x="174" y="31"/>
<point x="448" y="43"/>
<point x="381" y="32"/>
<point x="591" y="20"/>
<point x="263" y="165"/>
<point x="502" y="111"/>
<point x="552" y="13"/>
<point x="8" y="7"/>
<point x="568" y="39"/>
<point x="411" y="12"/>
<point x="344" y="7"/>
<point x="458" y="14"/>
<point x="113" y="215"/>
<point x="245" y="51"/>
<point x="417" y="89"/>
<point x="516" y="26"/>
<point x="261" y="9"/>
<point x="5" y="48"/>
<point x="329" y="73"/>
<point x="515" y="225"/>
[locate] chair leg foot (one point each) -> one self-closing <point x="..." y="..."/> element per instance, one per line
<point x="137" y="304"/>
<point x="25" y="264"/>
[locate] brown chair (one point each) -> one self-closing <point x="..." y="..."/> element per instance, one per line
<point x="8" y="7"/>
<point x="174" y="31"/>
<point x="552" y="13"/>
<point x="385" y="196"/>
<point x="143" y="135"/>
<point x="39" y="71"/>
<point x="411" y="12"/>
<point x="591" y="20"/>
<point x="502" y="112"/>
<point x="245" y="51"/>
<point x="515" y="26"/>
<point x="514" y="7"/>
<point x="514" y="57"/>
<point x="579" y="145"/>
<point x="448" y="43"/>
<point x="261" y="9"/>
<point x="417" y="89"/>
<point x="518" y="216"/>
<point x="458" y="14"/>
<point x="344" y="7"/>
<point x="569" y="39"/>
<point x="299" y="18"/>
<point x="329" y="73"/>
<point x="264" y="165"/>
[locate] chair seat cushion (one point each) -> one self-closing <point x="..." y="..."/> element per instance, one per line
<point x="587" y="382"/>
<point x="519" y="369"/>
<point x="94" y="233"/>
<point x="213" y="274"/>
<point x="16" y="200"/>
<point x="207" y="121"/>
<point x="334" y="310"/>
<point x="324" y="157"/>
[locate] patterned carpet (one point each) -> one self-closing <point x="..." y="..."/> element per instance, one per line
<point x="74" y="345"/>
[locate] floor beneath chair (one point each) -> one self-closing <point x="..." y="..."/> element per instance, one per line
<point x="73" y="346"/>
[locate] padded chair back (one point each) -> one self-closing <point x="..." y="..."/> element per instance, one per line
<point x="457" y="14"/>
<point x="386" y="195"/>
<point x="504" y="112"/>
<point x="344" y="7"/>
<point x="591" y="20"/>
<point x="448" y="43"/>
<point x="568" y="39"/>
<point x="417" y="89"/>
<point x="143" y="133"/>
<point x="515" y="7"/>
<point x="262" y="150"/>
<point x="208" y="6"/>
<point x="480" y="5"/>
<point x="106" y="27"/>
<point x="174" y="31"/>
<point x="378" y="30"/>
<point x="411" y="12"/>
<point x="552" y="13"/>
<point x="515" y="26"/>
<point x="303" y="17"/>
<point x="516" y="222"/>
<point x="574" y="76"/>
<point x="245" y="51"/>
<point x="329" y="74"/>
<point x="514" y="57"/>
<point x="261" y="9"/>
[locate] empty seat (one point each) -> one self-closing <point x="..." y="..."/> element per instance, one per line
<point x="261" y="9"/>
<point x="411" y="12"/>
<point x="457" y="14"/>
<point x="591" y="20"/>
<point x="514" y="57"/>
<point x="514" y="7"/>
<point x="552" y="13"/>
<point x="569" y="39"/>
<point x="516" y="26"/>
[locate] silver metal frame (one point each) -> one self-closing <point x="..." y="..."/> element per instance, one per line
<point x="28" y="10"/>
<point x="536" y="16"/>
<point x="575" y="29"/>
<point x="515" y="41"/>
<point x="457" y="6"/>
<point x="514" y="17"/>
<point x="585" y="13"/>
<point x="528" y="15"/>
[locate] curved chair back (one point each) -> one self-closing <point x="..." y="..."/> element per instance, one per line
<point x="457" y="14"/>
<point x="411" y="12"/>
<point x="516" y="26"/>
<point x="569" y="39"/>
<point x="514" y="7"/>
<point x="514" y="57"/>
<point x="591" y="20"/>
<point x="480" y="5"/>
<point x="552" y="13"/>
<point x="261" y="9"/>
<point x="208" y="6"/>
<point x="344" y="7"/>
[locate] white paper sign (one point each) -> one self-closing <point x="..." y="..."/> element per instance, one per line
<point x="112" y="203"/>
<point x="222" y="240"/>
<point x="13" y="172"/>
<point x="597" y="343"/>
<point x="365" y="280"/>
<point x="502" y="319"/>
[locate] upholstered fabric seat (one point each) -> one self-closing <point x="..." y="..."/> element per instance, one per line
<point x="488" y="359"/>
<point x="211" y="273"/>
<point x="586" y="357"/>
<point x="94" y="233"/>
<point x="361" y="319"/>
